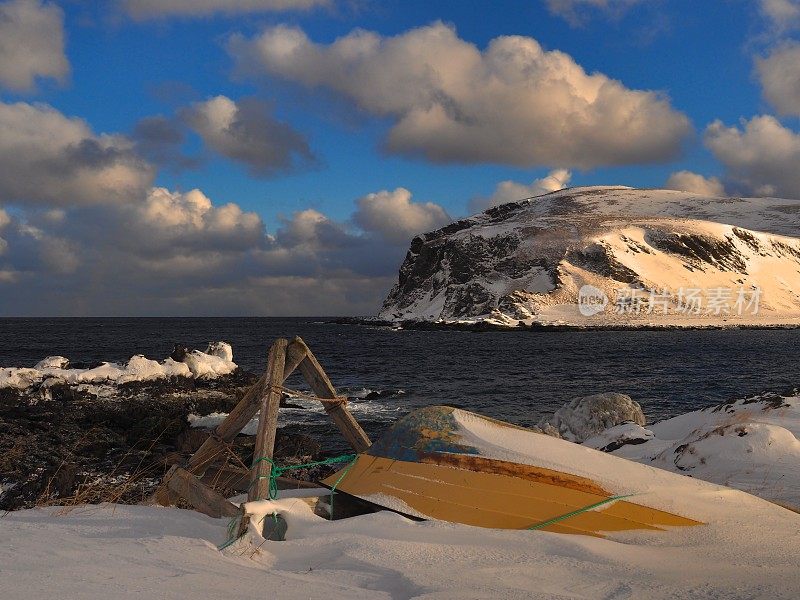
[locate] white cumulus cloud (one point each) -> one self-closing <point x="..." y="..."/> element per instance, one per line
<point x="509" y="191"/>
<point x="146" y="9"/>
<point x="514" y="102"/>
<point x="396" y="218"/>
<point x="171" y="220"/>
<point x="761" y="156"/>
<point x="783" y="14"/>
<point x="779" y="74"/>
<point x="687" y="181"/>
<point x="247" y="132"/>
<point x="48" y="158"/>
<point x="31" y="43"/>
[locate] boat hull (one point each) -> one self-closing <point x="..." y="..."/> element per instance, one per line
<point x="425" y="468"/>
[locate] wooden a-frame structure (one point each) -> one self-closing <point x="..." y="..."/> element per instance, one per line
<point x="263" y="397"/>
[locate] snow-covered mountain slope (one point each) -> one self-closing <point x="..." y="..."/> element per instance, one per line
<point x="650" y="256"/>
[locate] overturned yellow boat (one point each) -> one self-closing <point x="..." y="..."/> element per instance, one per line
<point x="453" y="465"/>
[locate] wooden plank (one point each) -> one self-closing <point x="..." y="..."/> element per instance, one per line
<point x="201" y="497"/>
<point x="268" y="423"/>
<point x="318" y="380"/>
<point x="227" y="477"/>
<point x="238" y="479"/>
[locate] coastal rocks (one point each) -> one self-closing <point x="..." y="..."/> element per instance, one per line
<point x="38" y="382"/>
<point x="583" y="418"/>
<point x="94" y="443"/>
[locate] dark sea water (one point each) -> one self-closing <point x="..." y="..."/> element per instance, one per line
<point x="515" y="376"/>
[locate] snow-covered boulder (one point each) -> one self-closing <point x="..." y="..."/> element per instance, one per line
<point x="221" y="349"/>
<point x="618" y="436"/>
<point x="52" y="362"/>
<point x="140" y="368"/>
<point x="585" y="417"/>
<point x="207" y="365"/>
<point x="105" y="372"/>
<point x="19" y="379"/>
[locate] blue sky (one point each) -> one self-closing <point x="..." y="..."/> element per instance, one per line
<point x="695" y="52"/>
<point x="342" y="135"/>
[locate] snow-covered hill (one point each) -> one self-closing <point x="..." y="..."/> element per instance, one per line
<point x="599" y="256"/>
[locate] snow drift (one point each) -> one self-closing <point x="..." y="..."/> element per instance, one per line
<point x="132" y="552"/>
<point x="750" y="444"/>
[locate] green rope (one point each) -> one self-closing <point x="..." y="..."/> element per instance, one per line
<point x="345" y="471"/>
<point x="276" y="471"/>
<point x="577" y="512"/>
<point x="233" y="525"/>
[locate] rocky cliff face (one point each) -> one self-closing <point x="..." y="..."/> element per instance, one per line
<point x="528" y="261"/>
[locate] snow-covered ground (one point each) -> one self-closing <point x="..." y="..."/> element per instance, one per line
<point x="748" y="550"/>
<point x="216" y="361"/>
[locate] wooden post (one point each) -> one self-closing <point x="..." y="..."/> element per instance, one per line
<point x="318" y="380"/>
<point x="295" y="353"/>
<point x="200" y="496"/>
<point x="240" y="416"/>
<point x="267" y="427"/>
<point x="267" y="423"/>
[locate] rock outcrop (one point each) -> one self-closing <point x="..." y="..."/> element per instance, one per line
<point x="636" y="251"/>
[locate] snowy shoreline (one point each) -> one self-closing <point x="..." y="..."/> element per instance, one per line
<point x="490" y="324"/>
<point x="216" y="361"/>
<point x="745" y="549"/>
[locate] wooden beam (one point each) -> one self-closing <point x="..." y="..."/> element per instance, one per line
<point x="242" y="413"/>
<point x="295" y="353"/>
<point x="201" y="497"/>
<point x="318" y="380"/>
<point x="267" y="423"/>
<point x="214" y="446"/>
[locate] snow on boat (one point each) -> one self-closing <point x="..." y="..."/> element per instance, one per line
<point x="449" y="464"/>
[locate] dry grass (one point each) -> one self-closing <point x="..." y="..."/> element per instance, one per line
<point x="113" y="487"/>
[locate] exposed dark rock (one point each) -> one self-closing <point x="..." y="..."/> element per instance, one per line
<point x="699" y="249"/>
<point x="597" y="259"/>
<point x="179" y="352"/>
<point x="81" y="447"/>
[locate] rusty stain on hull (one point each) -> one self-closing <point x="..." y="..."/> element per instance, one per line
<point x="469" y="462"/>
